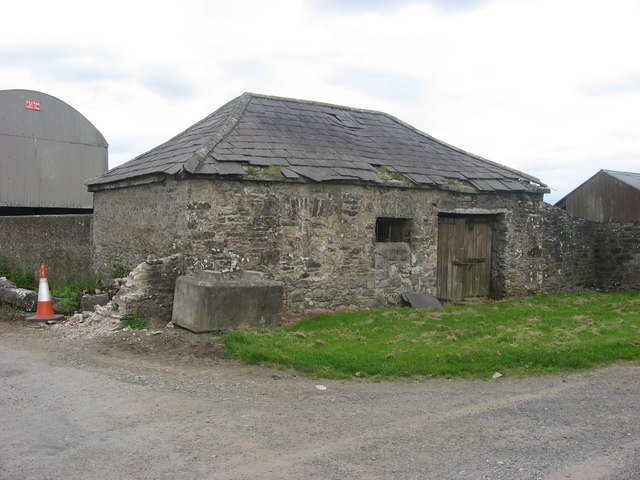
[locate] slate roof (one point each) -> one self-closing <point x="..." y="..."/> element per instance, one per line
<point x="318" y="142"/>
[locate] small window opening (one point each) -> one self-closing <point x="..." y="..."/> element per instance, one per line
<point x="392" y="229"/>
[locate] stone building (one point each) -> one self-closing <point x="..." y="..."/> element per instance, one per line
<point x="348" y="207"/>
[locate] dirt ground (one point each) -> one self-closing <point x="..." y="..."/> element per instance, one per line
<point x="164" y="404"/>
<point x="156" y="342"/>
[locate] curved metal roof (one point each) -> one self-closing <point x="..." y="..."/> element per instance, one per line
<point x="55" y="119"/>
<point x="47" y="152"/>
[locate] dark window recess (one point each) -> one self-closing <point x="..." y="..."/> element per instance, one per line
<point x="392" y="229"/>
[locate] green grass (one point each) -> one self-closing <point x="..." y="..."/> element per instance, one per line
<point x="68" y="289"/>
<point x="541" y="334"/>
<point x="19" y="276"/>
<point x="133" y="321"/>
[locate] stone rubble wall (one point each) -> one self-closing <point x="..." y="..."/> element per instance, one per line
<point x="63" y="242"/>
<point x="320" y="239"/>
<point x="137" y="223"/>
<point x="617" y="256"/>
<point x="550" y="249"/>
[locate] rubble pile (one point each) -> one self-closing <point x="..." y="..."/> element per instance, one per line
<point x="146" y="292"/>
<point x="20" y="298"/>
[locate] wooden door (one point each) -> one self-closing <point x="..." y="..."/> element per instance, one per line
<point x="464" y="256"/>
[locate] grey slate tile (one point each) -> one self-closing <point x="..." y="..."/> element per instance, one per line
<point x="318" y="142"/>
<point x="221" y="168"/>
<point x="288" y="173"/>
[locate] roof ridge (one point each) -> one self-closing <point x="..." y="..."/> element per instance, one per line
<point x="620" y="171"/>
<point x="313" y="102"/>
<point x="195" y="162"/>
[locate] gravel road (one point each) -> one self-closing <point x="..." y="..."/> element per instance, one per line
<point x="71" y="408"/>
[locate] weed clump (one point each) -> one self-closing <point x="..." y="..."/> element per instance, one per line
<point x="133" y="321"/>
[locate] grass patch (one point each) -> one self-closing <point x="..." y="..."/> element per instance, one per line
<point x="21" y="277"/>
<point x="541" y="334"/>
<point x="273" y="170"/>
<point x="385" y="174"/>
<point x="68" y="289"/>
<point x="133" y="321"/>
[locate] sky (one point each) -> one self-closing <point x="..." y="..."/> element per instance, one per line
<point x="548" y="87"/>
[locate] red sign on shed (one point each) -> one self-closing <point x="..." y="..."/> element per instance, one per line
<point x="32" y="104"/>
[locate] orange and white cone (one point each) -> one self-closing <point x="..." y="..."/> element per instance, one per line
<point x="44" y="313"/>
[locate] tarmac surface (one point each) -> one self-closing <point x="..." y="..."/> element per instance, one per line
<point x="72" y="408"/>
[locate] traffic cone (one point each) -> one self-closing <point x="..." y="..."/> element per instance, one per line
<point x="44" y="313"/>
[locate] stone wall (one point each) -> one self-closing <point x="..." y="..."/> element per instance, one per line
<point x="63" y="242"/>
<point x="549" y="249"/>
<point x="134" y="223"/>
<point x="617" y="256"/>
<point x="319" y="239"/>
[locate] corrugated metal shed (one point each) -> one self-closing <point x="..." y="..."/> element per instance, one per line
<point x="608" y="196"/>
<point x="47" y="152"/>
<point x="317" y="142"/>
<point x="631" y="179"/>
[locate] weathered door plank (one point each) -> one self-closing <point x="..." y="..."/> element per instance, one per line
<point x="464" y="257"/>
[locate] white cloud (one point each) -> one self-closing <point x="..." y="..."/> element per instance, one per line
<point x="547" y="86"/>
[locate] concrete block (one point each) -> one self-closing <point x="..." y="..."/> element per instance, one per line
<point x="212" y="301"/>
